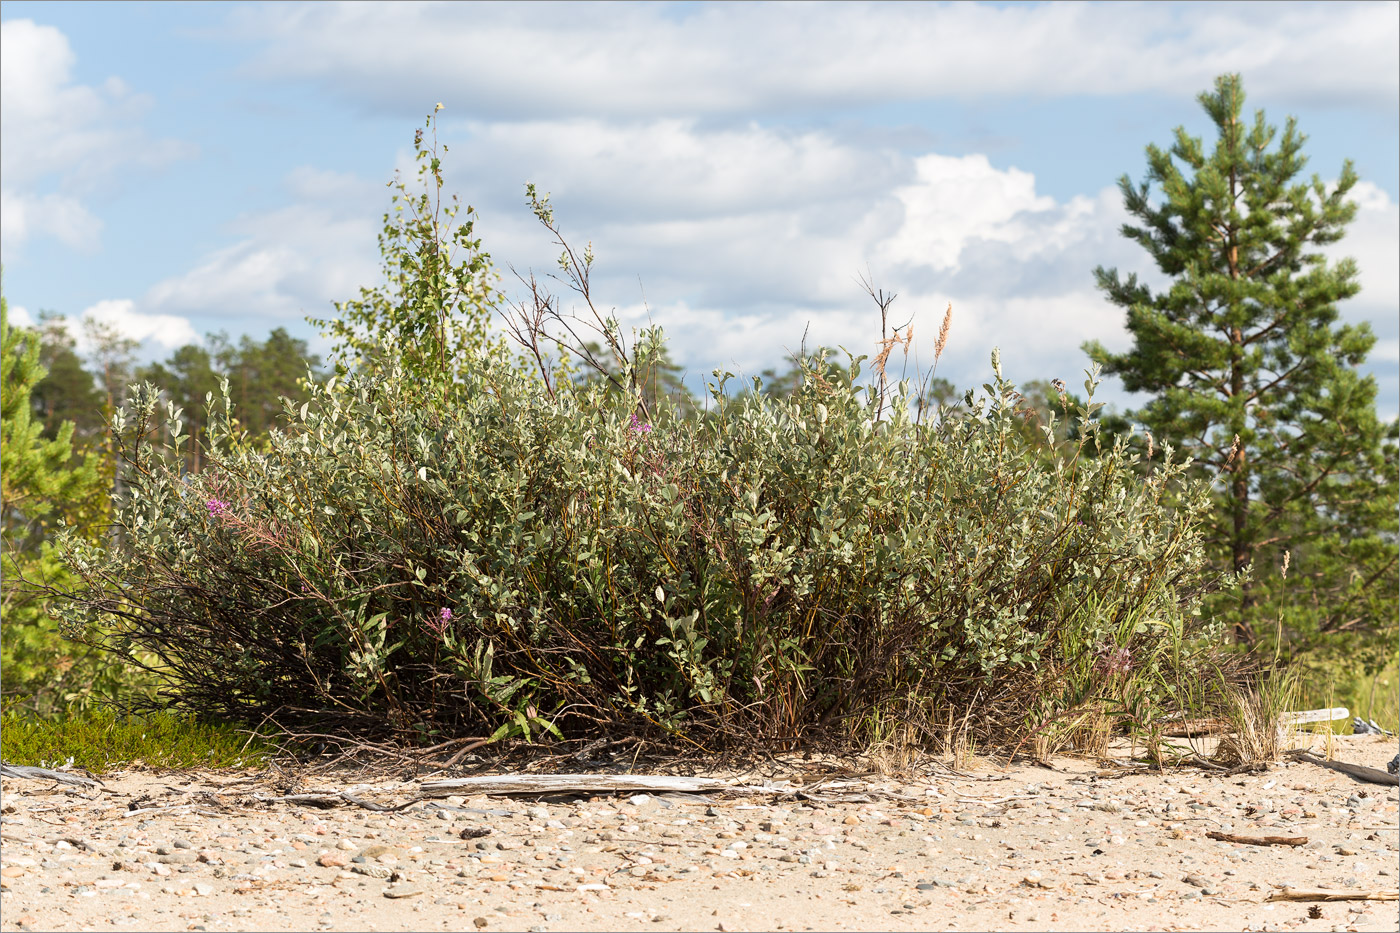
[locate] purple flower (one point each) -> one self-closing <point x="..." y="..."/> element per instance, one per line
<point x="1114" y="661"/>
<point x="638" y="426"/>
<point x="216" y="507"/>
<point x="443" y="620"/>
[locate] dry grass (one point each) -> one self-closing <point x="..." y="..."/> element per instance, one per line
<point x="1254" y="711"/>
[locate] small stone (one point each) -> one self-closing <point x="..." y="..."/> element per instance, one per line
<point x="401" y="890"/>
<point x="331" y="860"/>
<point x="203" y="889"/>
<point x="852" y="820"/>
<point x="480" y="923"/>
<point x="1196" y="881"/>
<point x="346" y="845"/>
<point x="378" y="851"/>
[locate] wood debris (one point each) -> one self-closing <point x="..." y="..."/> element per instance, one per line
<point x="1259" y="840"/>
<point x="573" y="783"/>
<point x="1360" y="772"/>
<point x="1329" y="894"/>
<point x="47" y="774"/>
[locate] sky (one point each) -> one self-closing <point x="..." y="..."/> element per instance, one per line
<point x="179" y="169"/>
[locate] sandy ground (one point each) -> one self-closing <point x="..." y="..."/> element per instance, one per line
<point x="1025" y="848"/>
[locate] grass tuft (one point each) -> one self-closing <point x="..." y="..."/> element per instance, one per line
<point x="101" y="740"/>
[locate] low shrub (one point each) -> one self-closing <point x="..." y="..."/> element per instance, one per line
<point x="499" y="560"/>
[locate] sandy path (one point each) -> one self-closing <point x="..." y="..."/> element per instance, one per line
<point x="1021" y="849"/>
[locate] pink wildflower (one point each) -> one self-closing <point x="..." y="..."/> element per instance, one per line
<point x="443" y="620"/>
<point x="216" y="507"/>
<point x="638" y="426"/>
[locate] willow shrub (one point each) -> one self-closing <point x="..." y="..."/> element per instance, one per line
<point x="500" y="562"/>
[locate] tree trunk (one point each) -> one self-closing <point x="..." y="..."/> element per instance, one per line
<point x="1241" y="551"/>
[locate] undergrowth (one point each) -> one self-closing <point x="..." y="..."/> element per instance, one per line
<point x="100" y="740"/>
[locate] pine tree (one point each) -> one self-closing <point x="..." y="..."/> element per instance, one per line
<point x="187" y="378"/>
<point x="39" y="484"/>
<point x="68" y="392"/>
<point x="1251" y="373"/>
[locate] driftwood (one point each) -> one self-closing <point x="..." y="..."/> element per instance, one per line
<point x="518" y="783"/>
<point x="45" y="774"/>
<point x="576" y="783"/>
<point x="1259" y="840"/>
<point x="1188" y="728"/>
<point x="1360" y="772"/>
<point x="1314" y="715"/>
<point x="1328" y="894"/>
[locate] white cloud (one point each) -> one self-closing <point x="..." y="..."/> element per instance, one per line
<point x="287" y="262"/>
<point x="64" y="143"/>
<point x="1373" y="240"/>
<point x="61" y="216"/>
<point x="152" y="331"/>
<point x="19" y="315"/>
<point x="636" y="60"/>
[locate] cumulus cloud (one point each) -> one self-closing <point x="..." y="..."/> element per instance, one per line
<point x="19" y="315"/>
<point x="162" y="331"/>
<point x="524" y="62"/>
<point x="286" y="262"/>
<point x="1373" y="240"/>
<point x="65" y="143"/>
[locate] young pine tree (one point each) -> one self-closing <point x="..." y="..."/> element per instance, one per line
<point x="41" y="483"/>
<point x="1251" y="373"/>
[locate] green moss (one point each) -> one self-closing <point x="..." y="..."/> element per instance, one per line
<point x="99" y="740"/>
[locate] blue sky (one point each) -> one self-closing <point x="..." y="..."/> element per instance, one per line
<point x="182" y="168"/>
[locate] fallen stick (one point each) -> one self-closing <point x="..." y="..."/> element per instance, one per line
<point x="572" y="783"/>
<point x="1328" y="894"/>
<point x="45" y="774"/>
<point x="1259" y="840"/>
<point x="1360" y="772"/>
